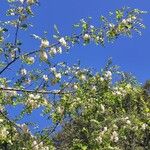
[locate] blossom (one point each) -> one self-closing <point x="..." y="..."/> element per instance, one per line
<point x="63" y="42"/>
<point x="102" y="108"/>
<point x="114" y="136"/>
<point x="23" y="72"/>
<point x="43" y="55"/>
<point x="58" y="75"/>
<point x="128" y="122"/>
<point x="75" y="87"/>
<point x="101" y="79"/>
<point x="105" y="129"/>
<point x="30" y="60"/>
<point x="124" y="21"/>
<point x="45" y="77"/>
<point x="25" y="128"/>
<point x="94" y="88"/>
<point x="59" y="50"/>
<point x="108" y="75"/>
<point x="53" y="51"/>
<point x="99" y="139"/>
<point x="111" y="25"/>
<point x="22" y="1"/>
<point x="4" y="132"/>
<point x="53" y="69"/>
<point x="44" y="43"/>
<point x="30" y="1"/>
<point x="86" y="37"/>
<point x="144" y="126"/>
<point x="83" y="77"/>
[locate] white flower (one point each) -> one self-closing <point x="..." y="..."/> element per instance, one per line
<point x="83" y="77"/>
<point x="53" y="69"/>
<point x="101" y="79"/>
<point x="115" y="126"/>
<point x="144" y="126"/>
<point x="59" y="50"/>
<point x="108" y="75"/>
<point x="58" y="75"/>
<point x="37" y="96"/>
<point x="128" y="122"/>
<point x="99" y="139"/>
<point x="22" y="1"/>
<point x="114" y="137"/>
<point x="23" y="72"/>
<point x="45" y="77"/>
<point x="4" y="132"/>
<point x="129" y="20"/>
<point x="31" y="96"/>
<point x="111" y="25"/>
<point x="44" y="43"/>
<point x="31" y="60"/>
<point x="86" y="37"/>
<point x="43" y="55"/>
<point x="53" y="51"/>
<point x="94" y="88"/>
<point x="75" y="87"/>
<point x="1" y="120"/>
<point x="133" y="17"/>
<point x="63" y="42"/>
<point x="46" y="148"/>
<point x="60" y="110"/>
<point x="102" y="108"/>
<point x="124" y="21"/>
<point x="105" y="129"/>
<point x="25" y="128"/>
<point x="91" y="26"/>
<point x="30" y="1"/>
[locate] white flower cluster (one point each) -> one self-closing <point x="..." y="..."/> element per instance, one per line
<point x="33" y="100"/>
<point x="56" y="74"/>
<point x="108" y="75"/>
<point x="128" y="20"/>
<point x="10" y="93"/>
<point x="119" y="91"/>
<point x="102" y="108"/>
<point x="30" y="60"/>
<point x="39" y="146"/>
<point x="44" y="43"/>
<point x="45" y="77"/>
<point x="83" y="77"/>
<point x="23" y="72"/>
<point x="63" y="41"/>
<point x="86" y="37"/>
<point x="43" y="55"/>
<point x="126" y="120"/>
<point x="114" y="137"/>
<point x="3" y="133"/>
<point x="55" y="50"/>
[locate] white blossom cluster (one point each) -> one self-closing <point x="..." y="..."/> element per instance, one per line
<point x="33" y="101"/>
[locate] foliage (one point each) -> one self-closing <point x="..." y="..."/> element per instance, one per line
<point x="85" y="110"/>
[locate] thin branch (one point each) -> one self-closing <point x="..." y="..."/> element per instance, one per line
<point x="34" y="91"/>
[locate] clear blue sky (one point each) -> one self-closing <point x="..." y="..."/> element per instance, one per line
<point x="131" y="54"/>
